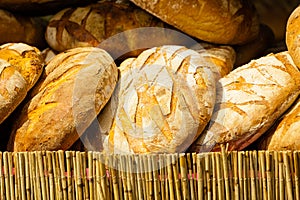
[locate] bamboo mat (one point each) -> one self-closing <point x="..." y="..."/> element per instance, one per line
<point x="93" y="175"/>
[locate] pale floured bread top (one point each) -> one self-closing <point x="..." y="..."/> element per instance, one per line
<point x="162" y="102"/>
<point x="249" y="100"/>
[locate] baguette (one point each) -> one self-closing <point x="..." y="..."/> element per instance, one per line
<point x="62" y="104"/>
<point x="249" y="100"/>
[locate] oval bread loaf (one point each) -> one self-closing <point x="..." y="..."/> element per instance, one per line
<point x="218" y="21"/>
<point x="20" y="67"/>
<point x="249" y="100"/>
<point x="286" y="135"/>
<point x="162" y="102"/>
<point x="74" y="88"/>
<point x="293" y="34"/>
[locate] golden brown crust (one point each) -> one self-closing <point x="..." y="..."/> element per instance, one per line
<point x="20" y="67"/>
<point x="75" y="87"/>
<point x="292" y="35"/>
<point x="218" y="21"/>
<point x="162" y="102"/>
<point x="286" y="134"/>
<point x="249" y="100"/>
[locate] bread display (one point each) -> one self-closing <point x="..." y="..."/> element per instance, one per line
<point x="75" y="86"/>
<point x="219" y="21"/>
<point x="162" y="102"/>
<point x="20" y="67"/>
<point x="249" y="100"/>
<point x="292" y="35"/>
<point x="19" y="28"/>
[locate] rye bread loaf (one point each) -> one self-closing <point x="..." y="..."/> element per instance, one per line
<point x="162" y="102"/>
<point x="74" y="88"/>
<point x="20" y="67"/>
<point x="218" y="21"/>
<point x="249" y="100"/>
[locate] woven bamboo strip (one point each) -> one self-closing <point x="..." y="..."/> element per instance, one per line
<point x="226" y="175"/>
<point x="220" y="176"/>
<point x="252" y="177"/>
<point x="2" y="185"/>
<point x="195" y="174"/>
<point x="163" y="176"/>
<point x="235" y="175"/>
<point x="16" y="176"/>
<point x="191" y="176"/>
<point x="288" y="177"/>
<point x="247" y="177"/>
<point x="184" y="177"/>
<point x="297" y="174"/>
<point x="22" y="175"/>
<point x="207" y="177"/>
<point x="155" y="167"/>
<point x="214" y="177"/>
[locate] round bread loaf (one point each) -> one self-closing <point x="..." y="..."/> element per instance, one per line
<point x="249" y="100"/>
<point x="162" y="102"/>
<point x="218" y="21"/>
<point x="293" y="35"/>
<point x="18" y="28"/>
<point x="74" y="88"/>
<point x="20" y="67"/>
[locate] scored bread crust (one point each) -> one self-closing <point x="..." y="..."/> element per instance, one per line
<point x="74" y="88"/>
<point x="162" y="102"/>
<point x="249" y="100"/>
<point x="20" y="67"/>
<point x="218" y="21"/>
<point x="286" y="135"/>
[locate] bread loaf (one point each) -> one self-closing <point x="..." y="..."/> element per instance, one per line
<point x="221" y="56"/>
<point x="286" y="135"/>
<point x="162" y="102"/>
<point x="292" y="35"/>
<point x="249" y="100"/>
<point x="20" y="67"/>
<point x="19" y="28"/>
<point x="74" y="88"/>
<point x="218" y="21"/>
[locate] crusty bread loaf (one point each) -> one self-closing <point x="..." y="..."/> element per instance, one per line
<point x="18" y="28"/>
<point x="20" y="67"/>
<point x="293" y="34"/>
<point x="286" y="134"/>
<point x="162" y="102"/>
<point x="218" y="21"/>
<point x="222" y="57"/>
<point x="249" y="100"/>
<point x="74" y="88"/>
<point x="122" y="29"/>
